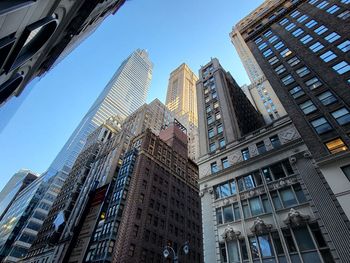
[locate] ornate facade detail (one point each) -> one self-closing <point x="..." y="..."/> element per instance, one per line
<point x="307" y="155"/>
<point x="210" y="191"/>
<point x="293" y="159"/>
<point x="253" y="150"/>
<point x="295" y="218"/>
<point x="230" y="234"/>
<point x="236" y="157"/>
<point x="260" y="227"/>
<point x="288" y="135"/>
<point x="201" y="194"/>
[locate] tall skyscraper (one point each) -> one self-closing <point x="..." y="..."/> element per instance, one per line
<point x="124" y="93"/>
<point x="14" y="186"/>
<point x="303" y="49"/>
<point x="181" y="99"/>
<point x="218" y="102"/>
<point x="259" y="203"/>
<point x="260" y="90"/>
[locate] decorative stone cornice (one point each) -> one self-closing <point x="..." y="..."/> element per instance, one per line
<point x="230" y="234"/>
<point x="295" y="218"/>
<point x="260" y="227"/>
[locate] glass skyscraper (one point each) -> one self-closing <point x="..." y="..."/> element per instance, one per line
<point x="124" y="93"/>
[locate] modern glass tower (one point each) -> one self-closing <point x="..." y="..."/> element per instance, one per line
<point x="124" y="93"/>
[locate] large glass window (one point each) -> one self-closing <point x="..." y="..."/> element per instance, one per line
<point x="273" y="39"/>
<point x="284" y="21"/>
<point x="262" y="46"/>
<point x="245" y="154"/>
<point x="313" y="83"/>
<point x="212" y="147"/>
<point x="336" y="145"/>
<point x="290" y="26"/>
<point x="332" y="37"/>
<point x="311" y="24"/>
<point x="233" y="252"/>
<point x="303" y="238"/>
<point x="265" y="246"/>
<point x="214" y="167"/>
<point x="267" y="53"/>
<point x="321" y="125"/>
<point x="273" y="60"/>
<point x="316" y="47"/>
<point x="303" y="71"/>
<point x="293" y="61"/>
<point x="344" y="15"/>
<point x="297" y="32"/>
<point x="275" y="141"/>
<point x="285" y="53"/>
<point x="296" y="92"/>
<point x="345" y="46"/>
<point x="287" y="80"/>
<point x="255" y="206"/>
<point x="306" y="39"/>
<point x="342" y="116"/>
<point x="228" y="214"/>
<point x="279" y="45"/>
<point x="322" y="5"/>
<point x="302" y="18"/>
<point x="320" y="30"/>
<point x="225" y="163"/>
<point x="211" y="133"/>
<point x="307" y="107"/>
<point x="342" y="67"/>
<point x="333" y="9"/>
<point x="280" y="69"/>
<point x="327" y="98"/>
<point x="261" y="147"/>
<point x="328" y="56"/>
<point x="288" y="198"/>
<point x="220" y="128"/>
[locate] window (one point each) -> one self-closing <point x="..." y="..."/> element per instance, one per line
<point x="313" y="83"/>
<point x="344" y="15"/>
<point x="302" y="18"/>
<point x="307" y="107"/>
<point x="296" y="92"/>
<point x="328" y="56"/>
<point x="322" y="5"/>
<point x="290" y="26"/>
<point x="262" y="46"/>
<point x="208" y="109"/>
<point x="345" y="1"/>
<point x="342" y="116"/>
<point x="333" y="9"/>
<point x="212" y="147"/>
<point x="225" y="163"/>
<point x="214" y="167"/>
<point x="288" y="198"/>
<point x="255" y="206"/>
<point x="258" y="40"/>
<point x="228" y="214"/>
<point x="302" y="71"/>
<point x="311" y="24"/>
<point x="327" y="98"/>
<point x="279" y="45"/>
<point x="280" y="69"/>
<point x="293" y="61"/>
<point x="312" y="1"/>
<point x="284" y="21"/>
<point x="217" y="116"/>
<point x="220" y="128"/>
<point x="316" y="47"/>
<point x="295" y="13"/>
<point x="345" y="46"/>
<point x="342" y="67"/>
<point x="211" y="133"/>
<point x="245" y="154"/>
<point x="287" y="80"/>
<point x="273" y="60"/>
<point x="332" y="37"/>
<point x="275" y="141"/>
<point x="273" y="39"/>
<point x="261" y="147"/>
<point x="210" y="120"/>
<point x="297" y="32"/>
<point x="268" y="33"/>
<point x="222" y="143"/>
<point x="306" y="39"/>
<point x="320" y="30"/>
<point x="267" y="53"/>
<point x="214" y="95"/>
<point x="321" y="125"/>
<point x="286" y="52"/>
<point x="216" y="105"/>
<point x="336" y="146"/>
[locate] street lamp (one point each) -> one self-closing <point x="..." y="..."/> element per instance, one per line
<point x="167" y="249"/>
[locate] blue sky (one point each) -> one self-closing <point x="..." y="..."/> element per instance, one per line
<point x="173" y="32"/>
